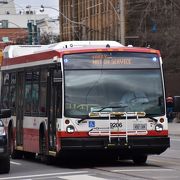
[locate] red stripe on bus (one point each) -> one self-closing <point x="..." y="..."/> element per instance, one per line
<point x="31" y="137"/>
<point x="31" y="140"/>
<point x="30" y="58"/>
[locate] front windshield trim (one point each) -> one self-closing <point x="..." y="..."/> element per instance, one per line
<point x="102" y="73"/>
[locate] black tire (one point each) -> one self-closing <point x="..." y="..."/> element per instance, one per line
<point x="10" y="140"/>
<point x="42" y="142"/>
<point x="16" y="154"/>
<point x="140" y="159"/>
<point x="11" y="147"/>
<point x="5" y="165"/>
<point x="48" y="160"/>
<point x="28" y="155"/>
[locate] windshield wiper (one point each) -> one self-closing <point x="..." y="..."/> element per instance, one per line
<point x="82" y="119"/>
<point x="113" y="107"/>
<point x="152" y="118"/>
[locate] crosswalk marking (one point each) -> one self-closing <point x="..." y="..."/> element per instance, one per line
<point x="80" y="177"/>
<point x="138" y="170"/>
<point x="12" y="162"/>
<point x="43" y="175"/>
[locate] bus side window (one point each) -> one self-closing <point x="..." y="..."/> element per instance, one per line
<point x="35" y="97"/>
<point x="42" y="106"/>
<point x="35" y="91"/>
<point x="43" y="92"/>
<point x="57" y="79"/>
<point x="5" y="97"/>
<point x="13" y="92"/>
<point x="28" y="98"/>
<point x="5" y="91"/>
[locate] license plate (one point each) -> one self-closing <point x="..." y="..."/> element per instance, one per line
<point x="139" y="126"/>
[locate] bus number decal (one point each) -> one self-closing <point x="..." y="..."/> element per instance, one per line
<point x="115" y="125"/>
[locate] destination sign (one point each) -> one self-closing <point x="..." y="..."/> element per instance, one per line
<point x="111" y="60"/>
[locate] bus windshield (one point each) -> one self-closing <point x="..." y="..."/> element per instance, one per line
<point x="111" y="90"/>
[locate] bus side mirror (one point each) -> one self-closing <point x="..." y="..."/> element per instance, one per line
<point x="5" y="113"/>
<point x="176" y="104"/>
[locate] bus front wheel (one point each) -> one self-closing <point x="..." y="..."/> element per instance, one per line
<point x="140" y="159"/>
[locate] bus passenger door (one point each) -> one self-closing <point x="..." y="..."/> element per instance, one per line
<point x="54" y="104"/>
<point x="20" y="109"/>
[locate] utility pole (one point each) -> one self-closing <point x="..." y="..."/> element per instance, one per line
<point x="122" y="21"/>
<point x="84" y="33"/>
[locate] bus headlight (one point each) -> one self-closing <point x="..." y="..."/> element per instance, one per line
<point x="159" y="127"/>
<point x="70" y="129"/>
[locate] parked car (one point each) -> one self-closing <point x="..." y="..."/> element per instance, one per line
<point x="4" y="153"/>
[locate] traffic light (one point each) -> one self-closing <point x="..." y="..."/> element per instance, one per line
<point x="35" y="34"/>
<point x="30" y="33"/>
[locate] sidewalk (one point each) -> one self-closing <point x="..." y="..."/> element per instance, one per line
<point x="174" y="129"/>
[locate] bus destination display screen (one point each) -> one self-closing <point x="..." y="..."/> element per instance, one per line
<point x="111" y="60"/>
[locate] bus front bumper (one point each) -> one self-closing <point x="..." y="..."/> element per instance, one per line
<point x="147" y="145"/>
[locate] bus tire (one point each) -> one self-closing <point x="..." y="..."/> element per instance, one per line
<point x="43" y="147"/>
<point x="48" y="160"/>
<point x="11" y="147"/>
<point x="139" y="159"/>
<point x="42" y="141"/>
<point x="16" y="154"/>
<point x="10" y="139"/>
<point x="5" y="165"/>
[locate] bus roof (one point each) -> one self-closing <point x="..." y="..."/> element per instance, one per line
<point x="20" y="56"/>
<point x="13" y="51"/>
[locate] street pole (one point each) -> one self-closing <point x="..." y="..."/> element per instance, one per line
<point x="122" y="21"/>
<point x="84" y="33"/>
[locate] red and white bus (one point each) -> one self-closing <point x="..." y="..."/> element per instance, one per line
<point x="95" y="97"/>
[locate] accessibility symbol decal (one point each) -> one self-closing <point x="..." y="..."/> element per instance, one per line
<point x="91" y="124"/>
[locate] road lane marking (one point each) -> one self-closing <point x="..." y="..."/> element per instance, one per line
<point x="43" y="175"/>
<point x="80" y="177"/>
<point x="138" y="170"/>
<point x="164" y="161"/>
<point x="174" y="139"/>
<point x="165" y="177"/>
<point x="12" y="162"/>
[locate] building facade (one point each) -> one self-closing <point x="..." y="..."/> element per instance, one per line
<point x="91" y="20"/>
<point x="14" y="27"/>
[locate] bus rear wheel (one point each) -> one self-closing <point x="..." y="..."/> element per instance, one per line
<point x="11" y="147"/>
<point x="43" y="148"/>
<point x="139" y="159"/>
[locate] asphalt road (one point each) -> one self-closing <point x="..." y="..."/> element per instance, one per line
<point x="162" y="167"/>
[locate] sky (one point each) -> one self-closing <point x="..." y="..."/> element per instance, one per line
<point x="36" y="4"/>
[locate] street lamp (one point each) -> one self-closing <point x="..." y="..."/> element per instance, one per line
<point x="49" y="7"/>
<point x="82" y="23"/>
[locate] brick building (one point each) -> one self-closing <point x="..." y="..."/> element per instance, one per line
<point x="12" y="36"/>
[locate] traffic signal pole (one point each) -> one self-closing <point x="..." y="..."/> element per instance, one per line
<point x="33" y="34"/>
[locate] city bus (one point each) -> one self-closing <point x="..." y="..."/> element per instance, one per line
<point x="98" y="98"/>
